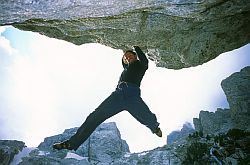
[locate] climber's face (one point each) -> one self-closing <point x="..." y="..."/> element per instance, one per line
<point x="129" y="57"/>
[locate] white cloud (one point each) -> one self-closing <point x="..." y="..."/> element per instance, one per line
<point x="5" y="47"/>
<point x="2" y="29"/>
<point x="55" y="84"/>
<point x="6" y="51"/>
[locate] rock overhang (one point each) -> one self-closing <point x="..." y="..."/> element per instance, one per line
<point x="174" y="34"/>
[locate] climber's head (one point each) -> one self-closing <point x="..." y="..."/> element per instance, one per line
<point x="129" y="56"/>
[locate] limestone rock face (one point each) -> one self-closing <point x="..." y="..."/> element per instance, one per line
<point x="104" y="147"/>
<point x="162" y="155"/>
<point x="175" y="33"/>
<point x="104" y="144"/>
<point x="213" y="122"/>
<point x="8" y="149"/>
<point x="237" y="90"/>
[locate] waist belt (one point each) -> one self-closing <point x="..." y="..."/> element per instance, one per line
<point x="126" y="84"/>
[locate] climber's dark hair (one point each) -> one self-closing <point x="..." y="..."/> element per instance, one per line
<point x="130" y="51"/>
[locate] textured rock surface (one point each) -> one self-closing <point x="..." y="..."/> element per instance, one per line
<point x="193" y="150"/>
<point x="104" y="145"/>
<point x="237" y="90"/>
<point x="163" y="156"/>
<point x="213" y="122"/>
<point x="8" y="149"/>
<point x="182" y="134"/>
<point x="175" y="33"/>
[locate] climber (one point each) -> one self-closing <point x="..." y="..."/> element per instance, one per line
<point x="125" y="97"/>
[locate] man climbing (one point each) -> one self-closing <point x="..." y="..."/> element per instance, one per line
<point x="127" y="96"/>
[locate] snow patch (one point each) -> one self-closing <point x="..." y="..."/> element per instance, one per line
<point x="74" y="156"/>
<point x="142" y="154"/>
<point x="24" y="153"/>
<point x="43" y="153"/>
<point x="127" y="155"/>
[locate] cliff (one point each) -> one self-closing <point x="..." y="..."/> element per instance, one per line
<point x="175" y="33"/>
<point x="237" y="90"/>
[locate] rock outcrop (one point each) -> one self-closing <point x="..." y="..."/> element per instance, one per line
<point x="104" y="145"/>
<point x="213" y="122"/>
<point x="237" y="90"/>
<point x="8" y="149"/>
<point x="175" y="33"/>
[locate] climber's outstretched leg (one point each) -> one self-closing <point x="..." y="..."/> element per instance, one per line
<point x="140" y="111"/>
<point x="109" y="107"/>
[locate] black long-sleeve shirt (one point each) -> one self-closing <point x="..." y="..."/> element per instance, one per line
<point x="134" y="72"/>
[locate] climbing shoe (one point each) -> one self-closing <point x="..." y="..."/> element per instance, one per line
<point x="158" y="132"/>
<point x="63" y="145"/>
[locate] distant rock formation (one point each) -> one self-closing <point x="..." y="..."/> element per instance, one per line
<point x="213" y="122"/>
<point x="175" y="33"/>
<point x="182" y="134"/>
<point x="237" y="90"/>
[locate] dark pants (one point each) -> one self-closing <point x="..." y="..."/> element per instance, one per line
<point x="125" y="97"/>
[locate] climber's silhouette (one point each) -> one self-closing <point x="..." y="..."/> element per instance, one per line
<point x="125" y="97"/>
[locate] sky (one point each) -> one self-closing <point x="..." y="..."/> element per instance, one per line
<point x="48" y="85"/>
